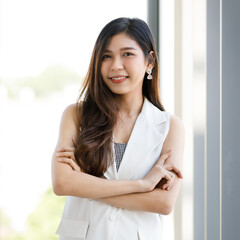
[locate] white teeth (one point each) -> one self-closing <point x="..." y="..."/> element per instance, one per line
<point x="118" y="78"/>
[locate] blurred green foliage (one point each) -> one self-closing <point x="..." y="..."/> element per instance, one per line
<point x="53" y="79"/>
<point x="5" y="224"/>
<point x="43" y="222"/>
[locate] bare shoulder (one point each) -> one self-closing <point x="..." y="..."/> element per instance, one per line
<point x="175" y="140"/>
<point x="176" y="131"/>
<point x="176" y="124"/>
<point x="70" y="112"/>
<point x="71" y="107"/>
<point x="69" y="125"/>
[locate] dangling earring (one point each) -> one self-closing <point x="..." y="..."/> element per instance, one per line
<point x="149" y="72"/>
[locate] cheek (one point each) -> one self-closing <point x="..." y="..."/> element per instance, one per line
<point x="138" y="66"/>
<point x="104" y="69"/>
<point x="139" y="70"/>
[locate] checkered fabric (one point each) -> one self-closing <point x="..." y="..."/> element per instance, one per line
<point x="119" y="151"/>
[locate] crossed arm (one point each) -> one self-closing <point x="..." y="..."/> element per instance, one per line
<point x="139" y="194"/>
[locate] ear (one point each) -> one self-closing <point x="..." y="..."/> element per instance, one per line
<point x="151" y="60"/>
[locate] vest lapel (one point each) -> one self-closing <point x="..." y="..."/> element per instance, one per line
<point x="111" y="172"/>
<point x="145" y="136"/>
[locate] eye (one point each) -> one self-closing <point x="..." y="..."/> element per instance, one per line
<point x="127" y="54"/>
<point x="106" y="56"/>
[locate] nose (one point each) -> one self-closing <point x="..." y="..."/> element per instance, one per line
<point x="117" y="64"/>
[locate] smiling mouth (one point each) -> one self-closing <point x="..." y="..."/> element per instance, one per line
<point x="118" y="79"/>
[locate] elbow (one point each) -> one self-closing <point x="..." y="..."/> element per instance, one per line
<point x="166" y="209"/>
<point x="61" y="181"/>
<point x="59" y="187"/>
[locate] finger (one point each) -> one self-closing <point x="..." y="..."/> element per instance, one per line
<point x="74" y="140"/>
<point x="70" y="162"/>
<point x="165" y="156"/>
<point x="178" y="172"/>
<point x="171" y="167"/>
<point x="168" y="185"/>
<point x="172" y="182"/>
<point x="165" y="187"/>
<point x="65" y="154"/>
<point x="169" y="179"/>
<point x="66" y="149"/>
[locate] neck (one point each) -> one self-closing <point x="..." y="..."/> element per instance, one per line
<point x="130" y="105"/>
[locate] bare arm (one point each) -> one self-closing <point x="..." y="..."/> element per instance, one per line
<point x="66" y="181"/>
<point x="158" y="200"/>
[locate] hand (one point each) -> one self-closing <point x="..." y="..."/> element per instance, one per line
<point x="161" y="171"/>
<point x="66" y="155"/>
<point x="174" y="172"/>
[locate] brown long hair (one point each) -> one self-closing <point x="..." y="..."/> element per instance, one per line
<point x="97" y="108"/>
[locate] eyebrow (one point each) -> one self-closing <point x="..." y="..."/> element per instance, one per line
<point x="123" y="49"/>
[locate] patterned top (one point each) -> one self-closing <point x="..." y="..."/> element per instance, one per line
<point x="119" y="151"/>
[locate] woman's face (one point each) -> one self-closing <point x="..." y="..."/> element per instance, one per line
<point x="123" y="65"/>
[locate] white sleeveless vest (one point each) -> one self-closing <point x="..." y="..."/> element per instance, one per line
<point x="93" y="220"/>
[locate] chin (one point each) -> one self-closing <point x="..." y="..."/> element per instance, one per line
<point x="119" y="92"/>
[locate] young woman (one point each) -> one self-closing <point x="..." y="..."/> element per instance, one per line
<point x="119" y="154"/>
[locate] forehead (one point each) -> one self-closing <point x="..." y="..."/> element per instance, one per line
<point x="122" y="41"/>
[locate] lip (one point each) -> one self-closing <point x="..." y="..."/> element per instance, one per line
<point x="118" y="78"/>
